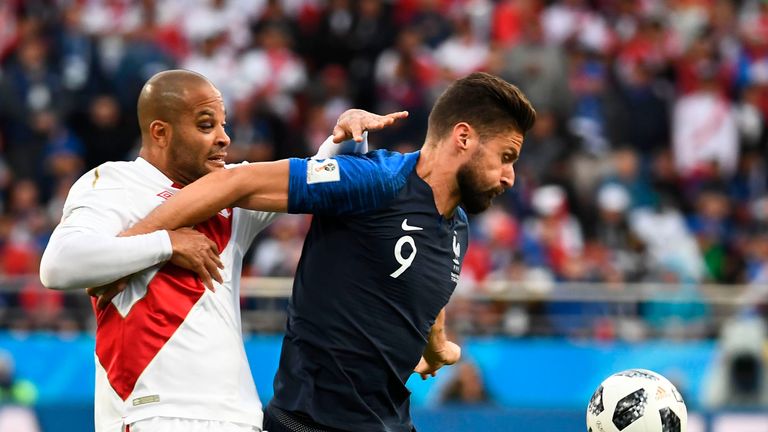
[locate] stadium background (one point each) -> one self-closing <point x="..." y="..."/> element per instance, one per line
<point x="635" y="236"/>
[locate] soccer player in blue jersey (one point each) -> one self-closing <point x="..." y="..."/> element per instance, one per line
<point x="381" y="258"/>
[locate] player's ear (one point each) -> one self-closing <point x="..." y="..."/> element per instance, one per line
<point x="461" y="136"/>
<point x="160" y="132"/>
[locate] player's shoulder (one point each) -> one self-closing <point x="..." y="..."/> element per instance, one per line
<point x="391" y="159"/>
<point x="384" y="162"/>
<point x="109" y="175"/>
<point x="461" y="215"/>
<point x="103" y="185"/>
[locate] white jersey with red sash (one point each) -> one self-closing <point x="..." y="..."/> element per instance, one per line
<point x="167" y="346"/>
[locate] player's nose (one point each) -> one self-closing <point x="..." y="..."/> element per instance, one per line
<point x="223" y="139"/>
<point x="507" y="176"/>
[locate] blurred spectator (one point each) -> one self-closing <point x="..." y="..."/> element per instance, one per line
<point x="686" y="19"/>
<point x="432" y="21"/>
<point x="17" y="396"/>
<point x="671" y="246"/>
<point x="79" y="57"/>
<point x="573" y="21"/>
<point x="666" y="181"/>
<point x="299" y="19"/>
<point x="543" y="147"/>
<point x="32" y="97"/>
<point x="509" y="18"/>
<point x="700" y="67"/>
<point x="43" y="310"/>
<point x="752" y="129"/>
<point x="404" y="75"/>
<point x="208" y="17"/>
<point x="328" y="97"/>
<point x="756" y="256"/>
<point x="129" y="59"/>
<point x="553" y="238"/>
<point x="627" y="170"/>
<point x="711" y="224"/>
<point x="13" y="390"/>
<point x="372" y="33"/>
<point x="213" y="57"/>
<point x="705" y="133"/>
<point x="462" y="53"/>
<point x="109" y="18"/>
<point x="271" y="73"/>
<point x="539" y="69"/>
<point x="63" y="159"/>
<point x="107" y="132"/>
<point x="612" y="231"/>
<point x="588" y="80"/>
<point x="8" y="27"/>
<point x="644" y="115"/>
<point x="28" y="232"/>
<point x="279" y="254"/>
<point x="333" y="38"/>
<point x="466" y="386"/>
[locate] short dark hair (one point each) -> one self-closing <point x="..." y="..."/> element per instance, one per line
<point x="486" y="102"/>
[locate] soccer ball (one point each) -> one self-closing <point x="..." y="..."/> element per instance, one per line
<point x="636" y="400"/>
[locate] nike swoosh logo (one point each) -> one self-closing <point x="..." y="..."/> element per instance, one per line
<point x="407" y="227"/>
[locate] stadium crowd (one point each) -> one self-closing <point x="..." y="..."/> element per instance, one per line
<point x="647" y="162"/>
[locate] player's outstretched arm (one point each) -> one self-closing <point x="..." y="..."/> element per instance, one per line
<point x="439" y="350"/>
<point x="263" y="185"/>
<point x="259" y="186"/>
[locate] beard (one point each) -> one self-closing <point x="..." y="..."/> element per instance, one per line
<point x="474" y="198"/>
<point x="187" y="165"/>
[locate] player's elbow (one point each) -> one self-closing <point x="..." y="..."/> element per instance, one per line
<point x="50" y="276"/>
<point x="54" y="274"/>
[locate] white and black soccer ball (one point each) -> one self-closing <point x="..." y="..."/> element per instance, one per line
<point x="636" y="400"/>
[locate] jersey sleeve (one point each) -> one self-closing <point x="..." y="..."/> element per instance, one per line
<point x="84" y="250"/>
<point x="347" y="184"/>
<point x="255" y="220"/>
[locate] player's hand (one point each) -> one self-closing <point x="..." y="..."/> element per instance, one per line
<point x="432" y="360"/>
<point x="105" y="293"/>
<point x="352" y="123"/>
<point x="194" y="251"/>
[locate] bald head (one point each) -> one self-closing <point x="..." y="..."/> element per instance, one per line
<point x="164" y="96"/>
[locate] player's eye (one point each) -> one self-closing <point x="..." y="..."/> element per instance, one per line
<point x="205" y="125"/>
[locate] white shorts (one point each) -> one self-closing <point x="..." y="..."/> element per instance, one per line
<point x="173" y="424"/>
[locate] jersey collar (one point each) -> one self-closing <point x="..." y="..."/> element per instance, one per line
<point x="155" y="174"/>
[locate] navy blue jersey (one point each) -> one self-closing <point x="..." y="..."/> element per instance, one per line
<point x="378" y="265"/>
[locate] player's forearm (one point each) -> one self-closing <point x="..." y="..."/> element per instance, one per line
<point x="437" y="337"/>
<point x="439" y="350"/>
<point x="258" y="186"/>
<point x="76" y="258"/>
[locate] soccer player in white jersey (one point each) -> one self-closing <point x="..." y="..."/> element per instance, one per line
<point x="169" y="352"/>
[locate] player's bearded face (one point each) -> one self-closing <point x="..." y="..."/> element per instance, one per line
<point x="189" y="158"/>
<point x="476" y="193"/>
